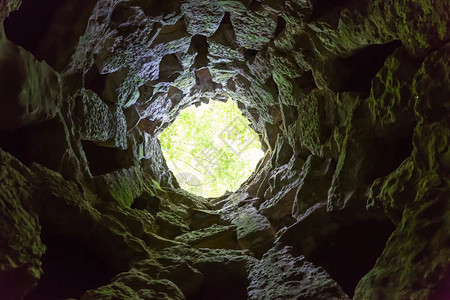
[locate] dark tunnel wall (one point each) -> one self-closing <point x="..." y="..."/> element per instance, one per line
<point x="350" y="100"/>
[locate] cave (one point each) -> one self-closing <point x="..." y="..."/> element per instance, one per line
<point x="70" y="268"/>
<point x="350" y="101"/>
<point x="103" y="160"/>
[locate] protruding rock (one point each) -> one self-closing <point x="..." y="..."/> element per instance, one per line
<point x="187" y="278"/>
<point x="30" y="91"/>
<point x="214" y="237"/>
<point x="171" y="224"/>
<point x="201" y="218"/>
<point x="415" y="260"/>
<point x="252" y="29"/>
<point x="21" y="248"/>
<point x="254" y="230"/>
<point x="135" y="284"/>
<point x="315" y="180"/>
<point x="121" y="186"/>
<point x="98" y="121"/>
<point x="282" y="275"/>
<point x="202" y="17"/>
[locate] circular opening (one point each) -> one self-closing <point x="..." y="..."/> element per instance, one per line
<point x="211" y="149"/>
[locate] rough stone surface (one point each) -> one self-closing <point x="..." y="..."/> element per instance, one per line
<point x="203" y="17"/>
<point x="136" y="285"/>
<point x="186" y="277"/>
<point x="225" y="272"/>
<point x="21" y="248"/>
<point x="70" y="212"/>
<point x="418" y="270"/>
<point x="351" y="103"/>
<point x="281" y="275"/>
<point x="214" y="237"/>
<point x="203" y="218"/>
<point x="171" y="224"/>
<point x="314" y="184"/>
<point x="254" y="230"/>
<point x="121" y="186"/>
<point x="8" y="6"/>
<point x="30" y="90"/>
<point x="99" y="121"/>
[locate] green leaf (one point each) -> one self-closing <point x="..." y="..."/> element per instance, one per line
<point x="203" y="142"/>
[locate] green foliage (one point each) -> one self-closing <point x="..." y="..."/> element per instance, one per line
<point x="211" y="149"/>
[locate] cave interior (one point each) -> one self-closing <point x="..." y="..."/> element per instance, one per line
<point x="350" y="100"/>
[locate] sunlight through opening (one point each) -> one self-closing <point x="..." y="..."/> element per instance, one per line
<point x="211" y="149"/>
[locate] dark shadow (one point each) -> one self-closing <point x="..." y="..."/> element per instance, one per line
<point x="70" y="269"/>
<point x="394" y="152"/>
<point x="200" y="45"/>
<point x="49" y="29"/>
<point x="121" y="13"/>
<point x="28" y="25"/>
<point x="169" y="68"/>
<point x="95" y="81"/>
<point x="306" y="81"/>
<point x="329" y="10"/>
<point x="103" y="160"/>
<point x="44" y="143"/>
<point x="13" y="143"/>
<point x="147" y="202"/>
<point x="250" y="52"/>
<point x="357" y="71"/>
<point x="225" y="34"/>
<point x="442" y="290"/>
<point x="281" y="25"/>
<point x="221" y="284"/>
<point x="351" y="251"/>
<point x="154" y="8"/>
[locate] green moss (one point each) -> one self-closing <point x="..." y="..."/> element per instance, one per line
<point x="115" y="290"/>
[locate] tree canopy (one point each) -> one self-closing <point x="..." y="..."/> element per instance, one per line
<point x="211" y="149"/>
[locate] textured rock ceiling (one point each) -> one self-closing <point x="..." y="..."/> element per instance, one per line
<point x="351" y="100"/>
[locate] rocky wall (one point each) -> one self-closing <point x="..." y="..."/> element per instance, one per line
<point x="351" y="100"/>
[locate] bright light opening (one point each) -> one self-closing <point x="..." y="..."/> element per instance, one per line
<point x="211" y="149"/>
